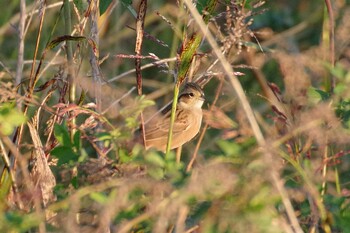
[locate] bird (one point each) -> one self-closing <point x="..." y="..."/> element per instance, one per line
<point x="188" y="119"/>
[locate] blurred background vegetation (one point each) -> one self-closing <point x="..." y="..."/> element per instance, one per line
<point x="69" y="109"/>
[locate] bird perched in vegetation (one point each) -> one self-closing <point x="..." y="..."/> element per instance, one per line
<point x="188" y="119"/>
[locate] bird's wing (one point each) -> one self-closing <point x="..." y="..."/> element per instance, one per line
<point x="159" y="126"/>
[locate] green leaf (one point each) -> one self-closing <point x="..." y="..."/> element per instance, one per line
<point x="18" y="221"/>
<point x="6" y="184"/>
<point x="338" y="71"/>
<point x="10" y="118"/>
<point x="83" y="155"/>
<point x="60" y="39"/>
<point x="156" y="173"/>
<point x="101" y="198"/>
<point x="317" y="95"/>
<point x="81" y="5"/>
<point x="74" y="182"/>
<point x="200" y="209"/>
<point x="132" y="122"/>
<point x="343" y="112"/>
<point x="128" y="5"/>
<point x="206" y="8"/>
<point x="201" y="5"/>
<point x="124" y="156"/>
<point x="229" y="148"/>
<point x="156" y="159"/>
<point x="62" y="135"/>
<point x="76" y="140"/>
<point x="144" y="103"/>
<point x="6" y="128"/>
<point x="104" y="5"/>
<point x="340" y="88"/>
<point x="188" y="51"/>
<point x="64" y="154"/>
<point x="104" y="136"/>
<point x="126" y="2"/>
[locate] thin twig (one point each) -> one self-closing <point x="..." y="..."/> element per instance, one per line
<point x="6" y="69"/>
<point x="32" y="71"/>
<point x="192" y="229"/>
<point x="70" y="76"/>
<point x="29" y="13"/>
<point x="118" y="100"/>
<point x="140" y="24"/>
<point x="68" y="28"/>
<point x="172" y="118"/>
<point x="20" y="59"/>
<point x="96" y="75"/>
<point x="156" y="63"/>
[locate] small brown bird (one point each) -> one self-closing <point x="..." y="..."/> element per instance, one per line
<point x="188" y="119"/>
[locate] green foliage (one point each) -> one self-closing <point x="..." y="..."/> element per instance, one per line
<point x="68" y="150"/>
<point x="10" y="117"/>
<point x="55" y="42"/>
<point x="206" y="8"/>
<point x="343" y="112"/>
<point x="100" y="198"/>
<point x="17" y="222"/>
<point x="81" y="5"/>
<point x="129" y="6"/>
<point x="160" y="167"/>
<point x="339" y="213"/>
<point x="317" y="95"/>
<point x="341" y="90"/>
<point x="104" y="5"/>
<point x="187" y="54"/>
<point x="229" y="148"/>
<point x="131" y="113"/>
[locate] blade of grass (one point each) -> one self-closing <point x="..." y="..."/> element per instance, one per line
<point x="172" y="118"/>
<point x="328" y="36"/>
<point x="71" y="83"/>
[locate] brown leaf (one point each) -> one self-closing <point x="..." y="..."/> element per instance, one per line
<point x="216" y="118"/>
<point x="41" y="172"/>
<point x="229" y="134"/>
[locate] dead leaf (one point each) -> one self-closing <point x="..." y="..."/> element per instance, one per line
<point x="216" y="118"/>
<point x="41" y="172"/>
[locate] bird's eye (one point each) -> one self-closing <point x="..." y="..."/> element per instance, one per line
<point x="191" y="94"/>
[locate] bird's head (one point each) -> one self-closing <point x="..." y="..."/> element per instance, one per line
<point x="192" y="96"/>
